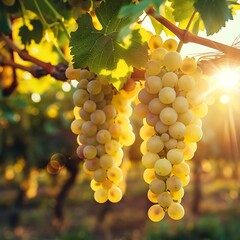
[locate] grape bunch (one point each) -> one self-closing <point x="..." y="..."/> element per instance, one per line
<point x="102" y="127"/>
<point x="171" y="103"/>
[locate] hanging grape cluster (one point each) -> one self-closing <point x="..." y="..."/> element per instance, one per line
<point x="102" y="127"/>
<point x="171" y="104"/>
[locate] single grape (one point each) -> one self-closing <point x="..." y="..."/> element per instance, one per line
<point x="156" y="213"/>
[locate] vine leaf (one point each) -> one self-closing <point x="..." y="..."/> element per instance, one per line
<point x="102" y="51"/>
<point x="134" y="11"/>
<point x="214" y="13"/>
<point x="35" y="34"/>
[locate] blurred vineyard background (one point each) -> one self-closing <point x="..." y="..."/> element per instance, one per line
<point x="37" y="202"/>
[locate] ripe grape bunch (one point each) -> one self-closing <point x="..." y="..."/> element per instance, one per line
<point x="102" y="127"/>
<point x="171" y="103"/>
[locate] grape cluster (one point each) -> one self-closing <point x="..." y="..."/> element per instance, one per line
<point x="171" y="104"/>
<point x="102" y="127"/>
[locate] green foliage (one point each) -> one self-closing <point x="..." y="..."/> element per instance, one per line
<point x="5" y="22"/>
<point x="134" y="11"/>
<point x="102" y="51"/>
<point x="214" y="13"/>
<point x="46" y="12"/>
<point x="35" y="34"/>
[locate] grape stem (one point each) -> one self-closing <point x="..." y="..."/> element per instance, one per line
<point x="187" y="28"/>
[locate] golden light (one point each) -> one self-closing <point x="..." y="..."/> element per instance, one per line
<point x="227" y="79"/>
<point x="224" y="99"/>
<point x="36" y="97"/>
<point x="66" y="87"/>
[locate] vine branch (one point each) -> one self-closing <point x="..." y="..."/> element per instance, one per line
<point x="185" y="36"/>
<point x="41" y="68"/>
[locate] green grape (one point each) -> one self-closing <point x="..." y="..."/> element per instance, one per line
<point x="89" y="152"/>
<point x="155" y="144"/>
<point x="149" y="159"/>
<point x="170" y="44"/>
<point x="92" y="164"/>
<point x="106" y="161"/>
<point x="172" y="60"/>
<point x="156" y="213"/>
<point x="186" y="83"/>
<point x="165" y="137"/>
<point x="152" y="119"/>
<point x="181" y="170"/>
<point x="167" y="95"/>
<point x="180" y="105"/>
<point x="169" y="79"/>
<point x="168" y="116"/>
<point x="149" y="175"/>
<point x="114" y="194"/>
<point x="76" y="126"/>
<point x="114" y="174"/>
<point x="157" y="186"/>
<point x="155" y="106"/>
<point x="82" y="83"/>
<point x="101" y="195"/>
<point x="173" y="184"/>
<point x="153" y="84"/>
<point x="70" y="72"/>
<point x="153" y="67"/>
<point x="79" y="97"/>
<point x="171" y="143"/>
<point x="89" y="129"/>
<point x="163" y="167"/>
<point x="155" y="42"/>
<point x="94" y="87"/>
<point x="152" y="197"/>
<point x="98" y="117"/>
<point x="175" y="156"/>
<point x="158" y="55"/>
<point x="89" y="106"/>
<point x="186" y="117"/>
<point x="100" y="175"/>
<point x="177" y="195"/>
<point x="177" y="130"/>
<point x="176" y="211"/>
<point x="103" y="136"/>
<point x="112" y="147"/>
<point x="141" y="110"/>
<point x="146" y="131"/>
<point x="95" y="185"/>
<point x="161" y="128"/>
<point x="189" y="65"/>
<point x="193" y="133"/>
<point x="164" y="199"/>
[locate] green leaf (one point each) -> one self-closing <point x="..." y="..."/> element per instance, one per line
<point x="182" y="9"/>
<point x="214" y="13"/>
<point x="47" y="13"/>
<point x="35" y="34"/>
<point x="156" y="25"/>
<point x="5" y="22"/>
<point x="134" y="11"/>
<point x="102" y="51"/>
